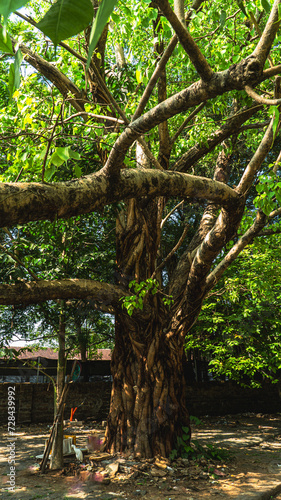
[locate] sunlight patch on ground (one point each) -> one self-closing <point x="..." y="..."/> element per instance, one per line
<point x="76" y="492"/>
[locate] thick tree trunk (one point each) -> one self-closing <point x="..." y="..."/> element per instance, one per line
<point x="148" y="400"/>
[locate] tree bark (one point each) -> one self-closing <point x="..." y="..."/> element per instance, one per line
<point x="148" y="400"/>
<point x="23" y="202"/>
<point x="57" y="451"/>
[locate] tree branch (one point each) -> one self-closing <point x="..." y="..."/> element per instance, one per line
<point x="24" y="202"/>
<point x="275" y="213"/>
<point x="172" y="252"/>
<point x="162" y="63"/>
<point x="194" y="95"/>
<point x="256" y="161"/>
<point x="264" y="45"/>
<point x="186" y="121"/>
<point x="35" y="292"/>
<point x="164" y="150"/>
<point x="247" y="238"/>
<point x="199" y="61"/>
<point x="260" y="99"/>
<point x="31" y="21"/>
<point x="92" y="115"/>
<point x="179" y="10"/>
<point x="257" y="125"/>
<point x="231" y="126"/>
<point x="170" y="213"/>
<point x="276" y="70"/>
<point x="63" y="84"/>
<point x="200" y="244"/>
<point x="116" y="106"/>
<point x="270" y="231"/>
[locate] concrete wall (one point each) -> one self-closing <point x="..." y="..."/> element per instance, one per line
<point x="35" y="402"/>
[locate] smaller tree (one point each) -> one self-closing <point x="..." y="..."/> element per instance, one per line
<point x="65" y="324"/>
<point x="239" y="328"/>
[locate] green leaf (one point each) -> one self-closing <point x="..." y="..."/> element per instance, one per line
<point x="138" y="76"/>
<point x="74" y="154"/>
<point x="180" y="441"/>
<point x="115" y="17"/>
<point x="241" y="7"/>
<point x="266" y="5"/>
<point x="186" y="429"/>
<point x="222" y="18"/>
<point x="5" y="42"/>
<point x="65" y="19"/>
<point x="11" y="79"/>
<point x="63" y="153"/>
<point x="18" y="60"/>
<point x="78" y="171"/>
<point x="130" y="310"/>
<point x="56" y="159"/>
<point x="104" y="11"/>
<point x="278" y="197"/>
<point x="275" y="121"/>
<point x="9" y="6"/>
<point x="49" y="172"/>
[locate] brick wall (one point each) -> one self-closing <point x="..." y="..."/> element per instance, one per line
<point x="35" y="402"/>
<point x="222" y="398"/>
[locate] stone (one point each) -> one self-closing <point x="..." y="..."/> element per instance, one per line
<point x="185" y="472"/>
<point x="158" y="472"/>
<point x="112" y="469"/>
<point x="162" y="464"/>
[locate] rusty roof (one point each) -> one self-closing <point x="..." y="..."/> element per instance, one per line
<point x="49" y="353"/>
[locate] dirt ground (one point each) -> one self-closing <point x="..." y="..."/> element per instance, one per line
<point x="250" y="470"/>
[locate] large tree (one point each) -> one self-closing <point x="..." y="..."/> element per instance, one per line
<point x="189" y="106"/>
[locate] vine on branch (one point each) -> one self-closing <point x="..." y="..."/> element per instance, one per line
<point x="136" y="301"/>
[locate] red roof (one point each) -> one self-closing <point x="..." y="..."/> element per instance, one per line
<point x="31" y="352"/>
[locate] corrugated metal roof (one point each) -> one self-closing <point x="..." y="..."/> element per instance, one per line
<point x="103" y="354"/>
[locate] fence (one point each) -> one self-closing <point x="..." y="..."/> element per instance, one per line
<point x="35" y="402"/>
